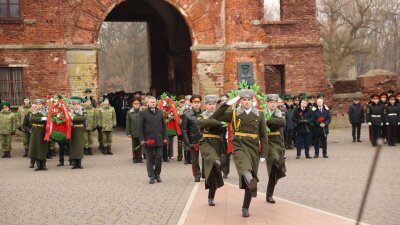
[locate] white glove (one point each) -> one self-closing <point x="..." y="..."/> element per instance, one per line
<point x="44" y="118"/>
<point x="398" y="123"/>
<point x="262" y="159"/>
<point x="369" y="123"/>
<point x="387" y="124"/>
<point x="233" y="101"/>
<point x="381" y="124"/>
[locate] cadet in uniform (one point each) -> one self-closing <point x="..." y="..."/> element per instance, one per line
<point x="375" y="112"/>
<point x="383" y="101"/>
<point x="22" y="111"/>
<point x="7" y="128"/>
<point x="211" y="148"/>
<point x="99" y="134"/>
<point x="392" y="120"/>
<point x="250" y="130"/>
<point x="107" y="121"/>
<point x="90" y="126"/>
<point x="77" y="142"/>
<point x="38" y="147"/>
<point x="132" y="130"/>
<point x="276" y="148"/>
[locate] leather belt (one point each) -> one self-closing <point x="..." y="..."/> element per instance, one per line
<point x="276" y="133"/>
<point x="375" y="115"/>
<point x="211" y="136"/>
<point x="78" y="125"/>
<point x="241" y="134"/>
<point x="37" y="125"/>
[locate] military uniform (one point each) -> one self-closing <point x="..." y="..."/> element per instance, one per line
<point x="38" y="147"/>
<point x="77" y="142"/>
<point x="374" y="117"/>
<point x="90" y="126"/>
<point x="99" y="134"/>
<point x="22" y="111"/>
<point x="211" y="150"/>
<point x="392" y="120"/>
<point x="275" y="160"/>
<point x="384" y="101"/>
<point x="107" y="121"/>
<point x="132" y="130"/>
<point x="249" y="131"/>
<point x="7" y="129"/>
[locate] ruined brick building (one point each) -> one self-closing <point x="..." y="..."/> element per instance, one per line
<point x="196" y="45"/>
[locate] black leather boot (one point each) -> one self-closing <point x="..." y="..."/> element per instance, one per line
<point x="26" y="153"/>
<point x="251" y="183"/>
<point x="270" y="191"/>
<point x="90" y="151"/>
<point x="9" y="154"/>
<point x="79" y="162"/>
<point x="39" y="165"/>
<point x="75" y="164"/>
<point x="44" y="165"/>
<point x="217" y="165"/>
<point x="32" y="165"/>
<point x="61" y="163"/>
<point x="245" y="212"/>
<point x="109" y="152"/>
<point x="4" y="155"/>
<point x="104" y="150"/>
<point x="85" y="151"/>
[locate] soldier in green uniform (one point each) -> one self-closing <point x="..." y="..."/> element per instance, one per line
<point x="276" y="148"/>
<point x="211" y="147"/>
<point x="250" y="130"/>
<point x="99" y="135"/>
<point x="132" y="130"/>
<point x="90" y="126"/>
<point x="38" y="147"/>
<point x="106" y="121"/>
<point x="7" y="128"/>
<point x="77" y="142"/>
<point x="22" y="111"/>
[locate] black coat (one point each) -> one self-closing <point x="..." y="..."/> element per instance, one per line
<point x="356" y="113"/>
<point x="304" y="121"/>
<point x="392" y="115"/>
<point x="375" y="114"/>
<point x="190" y="128"/>
<point x="326" y="115"/>
<point x="152" y="126"/>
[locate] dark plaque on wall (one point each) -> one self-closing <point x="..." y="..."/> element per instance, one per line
<point x="245" y="72"/>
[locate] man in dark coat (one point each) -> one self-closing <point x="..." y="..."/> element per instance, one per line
<point x="191" y="134"/>
<point x="132" y="130"/>
<point x="321" y="121"/>
<point x="392" y="120"/>
<point x="211" y="147"/>
<point x="38" y="147"/>
<point x="375" y="113"/>
<point x="356" y="118"/>
<point x="152" y="136"/>
<point x="250" y="131"/>
<point x="276" y="148"/>
<point x="302" y="117"/>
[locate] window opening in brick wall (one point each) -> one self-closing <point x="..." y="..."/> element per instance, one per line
<point x="11" y="87"/>
<point x="272" y="10"/>
<point x="9" y="9"/>
<point x="275" y="79"/>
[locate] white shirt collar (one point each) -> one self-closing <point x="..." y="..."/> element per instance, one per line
<point x="247" y="110"/>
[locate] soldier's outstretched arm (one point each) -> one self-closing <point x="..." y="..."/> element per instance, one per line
<point x="222" y="114"/>
<point x="205" y="123"/>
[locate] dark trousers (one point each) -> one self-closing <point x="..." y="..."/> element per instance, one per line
<point x="195" y="162"/>
<point x="303" y="139"/>
<point x="136" y="154"/>
<point x="154" y="160"/>
<point x="180" y="147"/>
<point x="271" y="182"/>
<point x="384" y="131"/>
<point x="398" y="134"/>
<point x="168" y="150"/>
<point x="391" y="134"/>
<point x="375" y="133"/>
<point x="320" y="139"/>
<point x="61" y="153"/>
<point x="294" y="136"/>
<point x="289" y="138"/>
<point x="356" y="128"/>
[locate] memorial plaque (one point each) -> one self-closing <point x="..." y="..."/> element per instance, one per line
<point x="245" y="72"/>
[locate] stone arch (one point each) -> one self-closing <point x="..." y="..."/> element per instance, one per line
<point x="91" y="14"/>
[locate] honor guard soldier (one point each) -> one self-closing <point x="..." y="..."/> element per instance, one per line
<point x="276" y="148"/>
<point x="132" y="130"/>
<point x="90" y="126"/>
<point x="107" y="121"/>
<point x="250" y="131"/>
<point x="392" y="120"/>
<point x="384" y="101"/>
<point x="21" y="113"/>
<point x="8" y="125"/>
<point x="211" y="147"/>
<point x="375" y="113"/>
<point x="77" y="142"/>
<point x="38" y="147"/>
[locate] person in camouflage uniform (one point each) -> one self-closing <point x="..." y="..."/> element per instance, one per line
<point x="211" y="147"/>
<point x="276" y="148"/>
<point x="22" y="111"/>
<point x="90" y="126"/>
<point x="250" y="131"/>
<point x="7" y="128"/>
<point x="106" y="121"/>
<point x="38" y="147"/>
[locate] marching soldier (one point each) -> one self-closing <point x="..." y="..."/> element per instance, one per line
<point x="132" y="130"/>
<point x="392" y="120"/>
<point x="191" y="134"/>
<point x="7" y="128"/>
<point x="107" y="121"/>
<point x="90" y="126"/>
<point x="211" y="148"/>
<point x="22" y="111"/>
<point x="375" y="112"/>
<point x="276" y="148"/>
<point x="77" y="142"/>
<point x="38" y="147"/>
<point x="88" y="96"/>
<point x="321" y="120"/>
<point x="249" y="131"/>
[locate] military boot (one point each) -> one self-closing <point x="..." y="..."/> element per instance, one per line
<point x="75" y="164"/>
<point x="85" y="151"/>
<point x="251" y="182"/>
<point x="79" y="162"/>
<point x="4" y="155"/>
<point x="32" y="165"/>
<point x="90" y="151"/>
<point x="44" y="165"/>
<point x="109" y="152"/>
<point x="26" y="153"/>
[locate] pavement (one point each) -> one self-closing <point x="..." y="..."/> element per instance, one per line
<point x="112" y="190"/>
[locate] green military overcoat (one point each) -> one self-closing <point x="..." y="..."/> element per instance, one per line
<point x="38" y="148"/>
<point x="77" y="142"/>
